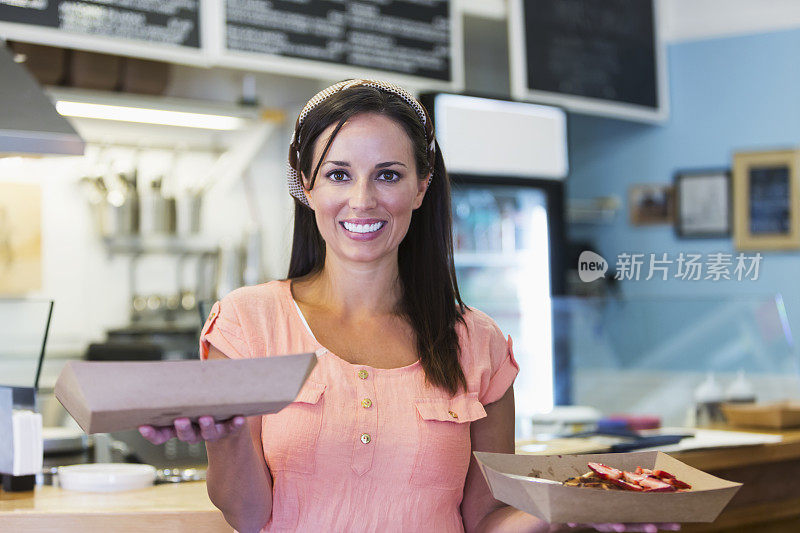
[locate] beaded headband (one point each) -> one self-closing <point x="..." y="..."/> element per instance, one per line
<point x="293" y="172"/>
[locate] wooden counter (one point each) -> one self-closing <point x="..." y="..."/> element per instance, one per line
<point x="769" y="500"/>
<point x="171" y="507"/>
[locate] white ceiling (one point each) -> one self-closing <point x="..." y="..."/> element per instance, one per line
<point x="687" y="20"/>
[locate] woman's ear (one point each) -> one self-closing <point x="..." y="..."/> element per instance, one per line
<point x="422" y="187"/>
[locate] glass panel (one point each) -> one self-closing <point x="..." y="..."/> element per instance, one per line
<point x="648" y="354"/>
<point x="23" y="328"/>
<point x="503" y="269"/>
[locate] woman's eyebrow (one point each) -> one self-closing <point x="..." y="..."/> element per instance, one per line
<point x="388" y="164"/>
<point x="379" y="165"/>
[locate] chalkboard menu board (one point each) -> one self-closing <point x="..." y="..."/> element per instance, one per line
<point x="411" y="37"/>
<point x="594" y="56"/>
<point x="174" y="22"/>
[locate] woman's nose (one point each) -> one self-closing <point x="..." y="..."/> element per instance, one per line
<point x="362" y="194"/>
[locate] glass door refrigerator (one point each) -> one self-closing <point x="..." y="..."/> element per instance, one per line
<point x="507" y="161"/>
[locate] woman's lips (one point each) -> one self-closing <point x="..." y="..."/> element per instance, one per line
<point x="363" y="229"/>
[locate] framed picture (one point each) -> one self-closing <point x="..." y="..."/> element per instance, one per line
<point x="650" y="204"/>
<point x="703" y="203"/>
<point x="766" y="192"/>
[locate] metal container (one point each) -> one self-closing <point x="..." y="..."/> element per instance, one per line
<point x="156" y="214"/>
<point x="187" y="213"/>
<point x="119" y="216"/>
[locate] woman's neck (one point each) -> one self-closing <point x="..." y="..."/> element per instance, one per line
<point x="354" y="290"/>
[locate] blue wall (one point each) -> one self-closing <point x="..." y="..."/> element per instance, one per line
<point x="738" y="93"/>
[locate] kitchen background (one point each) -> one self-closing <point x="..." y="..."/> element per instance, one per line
<point x="732" y="86"/>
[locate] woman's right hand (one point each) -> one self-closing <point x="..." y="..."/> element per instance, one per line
<point x="205" y="430"/>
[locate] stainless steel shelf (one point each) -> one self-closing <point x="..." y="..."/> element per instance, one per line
<point x="161" y="244"/>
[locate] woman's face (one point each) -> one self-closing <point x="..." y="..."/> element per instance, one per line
<point x="366" y="188"/>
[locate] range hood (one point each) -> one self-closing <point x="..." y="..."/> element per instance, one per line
<point x="29" y="123"/>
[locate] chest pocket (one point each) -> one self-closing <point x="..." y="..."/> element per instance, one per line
<point x="290" y="436"/>
<point x="444" y="446"/>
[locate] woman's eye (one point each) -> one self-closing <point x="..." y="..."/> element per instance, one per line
<point x="337" y="175"/>
<point x="389" y="175"/>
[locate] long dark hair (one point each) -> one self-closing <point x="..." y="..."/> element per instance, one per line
<point x="430" y="300"/>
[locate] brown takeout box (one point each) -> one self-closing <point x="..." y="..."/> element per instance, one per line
<point x="114" y="396"/>
<point x="508" y="479"/>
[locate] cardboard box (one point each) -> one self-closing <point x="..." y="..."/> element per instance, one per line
<point x="508" y="479"/>
<point x="114" y="396"/>
<point x="772" y="416"/>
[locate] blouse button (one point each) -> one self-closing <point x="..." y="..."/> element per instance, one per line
<point x="365" y="438"/>
<point x="454" y="415"/>
<point x="366" y="403"/>
<point x="363" y="374"/>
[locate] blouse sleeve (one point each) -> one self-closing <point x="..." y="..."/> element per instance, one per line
<point x="224" y="331"/>
<point x="503" y="368"/>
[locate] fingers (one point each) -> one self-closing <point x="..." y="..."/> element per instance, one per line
<point x="645" y="528"/>
<point x="183" y="428"/>
<point x="235" y="423"/>
<point x="611" y="527"/>
<point x="211" y="430"/>
<point x="186" y="431"/>
<point x="208" y="429"/>
<point x="599" y="527"/>
<point x="157" y="435"/>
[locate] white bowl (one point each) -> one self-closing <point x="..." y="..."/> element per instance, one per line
<point x="106" y="477"/>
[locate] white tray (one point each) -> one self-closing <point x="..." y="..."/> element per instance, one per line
<point x="106" y="477"/>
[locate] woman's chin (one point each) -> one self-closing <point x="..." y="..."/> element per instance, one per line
<point x="361" y="252"/>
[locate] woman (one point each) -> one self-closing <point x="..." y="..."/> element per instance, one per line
<point x="409" y="381"/>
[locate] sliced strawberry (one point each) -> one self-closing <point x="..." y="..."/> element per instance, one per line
<point x="662" y="474"/>
<point x="668" y="488"/>
<point x="652" y="484"/>
<point x="605" y="472"/>
<point x="625" y="485"/>
<point x="630" y="477"/>
<point x="678" y="484"/>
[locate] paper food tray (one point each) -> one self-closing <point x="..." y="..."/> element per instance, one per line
<point x="114" y="396"/>
<point x="507" y="474"/>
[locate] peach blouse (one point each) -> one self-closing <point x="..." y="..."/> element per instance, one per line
<point x="362" y="448"/>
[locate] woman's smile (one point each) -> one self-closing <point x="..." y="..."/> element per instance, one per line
<point x="363" y="229"/>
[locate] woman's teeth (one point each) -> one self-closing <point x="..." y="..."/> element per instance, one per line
<point x="363" y="228"/>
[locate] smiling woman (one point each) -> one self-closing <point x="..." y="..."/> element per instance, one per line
<point x="365" y="153"/>
<point x="409" y="381"/>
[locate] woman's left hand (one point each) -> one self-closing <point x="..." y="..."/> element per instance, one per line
<point x="646" y="528"/>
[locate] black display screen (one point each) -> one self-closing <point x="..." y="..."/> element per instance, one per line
<point x="173" y="22"/>
<point x="410" y="37"/>
<point x="602" y="49"/>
